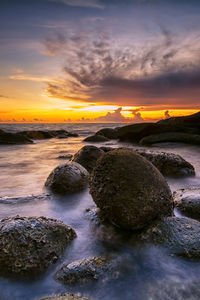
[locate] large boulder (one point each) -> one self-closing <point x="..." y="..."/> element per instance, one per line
<point x="187" y="201"/>
<point x="65" y="296"/>
<point x="169" y="164"/>
<point x="187" y="121"/>
<point x="68" y="178"/>
<point x="177" y="137"/>
<point x="7" y="138"/>
<point x="37" y="134"/>
<point x="87" y="157"/>
<point x="135" y="132"/>
<point x="96" y="139"/>
<point x="89" y="269"/>
<point x="29" y="245"/>
<point x="109" y="133"/>
<point x="129" y="190"/>
<point x="179" y="235"/>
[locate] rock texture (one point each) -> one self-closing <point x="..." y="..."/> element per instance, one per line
<point x="29" y="245"/>
<point x="7" y="138"/>
<point x="96" y="139"/>
<point x="68" y="178"/>
<point x="178" y="137"/>
<point x="87" y="157"/>
<point x="129" y="190"/>
<point x="90" y="269"/>
<point x="179" y="235"/>
<point x="109" y="133"/>
<point x="188" y="202"/>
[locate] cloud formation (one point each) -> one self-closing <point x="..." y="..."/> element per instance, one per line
<point x="98" y="70"/>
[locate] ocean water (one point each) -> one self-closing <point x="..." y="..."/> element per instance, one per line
<point x="150" y="273"/>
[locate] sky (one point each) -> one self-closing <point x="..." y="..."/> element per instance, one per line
<point x="99" y="60"/>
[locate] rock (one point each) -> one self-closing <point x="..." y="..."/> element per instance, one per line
<point x="30" y="198"/>
<point x="67" y="156"/>
<point x="169" y="164"/>
<point x="29" y="245"/>
<point x="68" y="178"/>
<point x="87" y="157"/>
<point x="177" y="137"/>
<point x="188" y="202"/>
<point x="109" y="133"/>
<point x="71" y="134"/>
<point x="7" y="138"/>
<point x="135" y="132"/>
<point x="179" y="234"/>
<point x="129" y="190"/>
<point x="37" y="134"/>
<point x="89" y="269"/>
<point x="96" y="139"/>
<point x="187" y="121"/>
<point x="65" y="297"/>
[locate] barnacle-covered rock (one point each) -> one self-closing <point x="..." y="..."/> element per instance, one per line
<point x="28" y="245"/>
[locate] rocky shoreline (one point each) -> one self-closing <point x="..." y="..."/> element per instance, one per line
<point x="131" y="197"/>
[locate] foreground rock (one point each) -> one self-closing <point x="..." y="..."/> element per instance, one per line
<point x="180" y="235"/>
<point x="65" y="297"/>
<point x="129" y="190"/>
<point x="169" y="164"/>
<point x="109" y="133"/>
<point x="96" y="139"/>
<point x="87" y="157"/>
<point x="29" y="245"/>
<point x="188" y="202"/>
<point x="7" y="138"/>
<point x="68" y="178"/>
<point x="90" y="269"/>
<point x="177" y="137"/>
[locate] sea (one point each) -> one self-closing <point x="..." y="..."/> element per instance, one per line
<point x="150" y="274"/>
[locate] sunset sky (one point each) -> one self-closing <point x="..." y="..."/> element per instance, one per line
<point x="98" y="60"/>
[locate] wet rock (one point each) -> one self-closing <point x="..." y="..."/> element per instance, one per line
<point x="135" y="132"/>
<point x="67" y="156"/>
<point x="87" y="157"/>
<point x="179" y="235"/>
<point x="177" y="137"/>
<point x="71" y="134"/>
<point x="65" y="297"/>
<point x="109" y="133"/>
<point x="37" y="134"/>
<point x="29" y="245"/>
<point x="96" y="139"/>
<point x="68" y="178"/>
<point x="90" y="269"/>
<point x="129" y="190"/>
<point x="169" y="164"/>
<point x="188" y="202"/>
<point x="187" y="121"/>
<point x="7" y="138"/>
<point x="29" y="198"/>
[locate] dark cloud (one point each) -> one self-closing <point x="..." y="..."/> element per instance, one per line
<point x="167" y="115"/>
<point x="99" y="70"/>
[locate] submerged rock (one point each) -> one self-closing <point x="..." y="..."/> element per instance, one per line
<point x="89" y="269"/>
<point x="109" y="133"/>
<point x="188" y="202"/>
<point x="37" y="134"/>
<point x="178" y="137"/>
<point x="87" y="157"/>
<point x="129" y="190"/>
<point x="7" y="138"/>
<point x="28" y="245"/>
<point x="179" y="235"/>
<point x="65" y="297"/>
<point x="68" y="178"/>
<point x="96" y="139"/>
<point x="67" y="156"/>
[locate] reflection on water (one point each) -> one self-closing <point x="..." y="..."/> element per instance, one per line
<point x="149" y="272"/>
